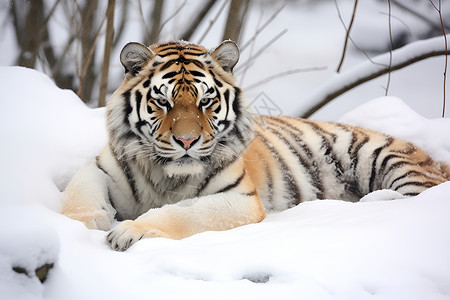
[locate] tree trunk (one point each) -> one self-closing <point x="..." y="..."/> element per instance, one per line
<point x="31" y="37"/>
<point x="87" y="78"/>
<point x="106" y="57"/>
<point x="235" y="20"/>
<point x="197" y="20"/>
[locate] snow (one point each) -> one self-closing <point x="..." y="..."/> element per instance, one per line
<point x="327" y="249"/>
<point x="384" y="247"/>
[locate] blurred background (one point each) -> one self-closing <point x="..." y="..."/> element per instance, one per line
<point x="290" y="50"/>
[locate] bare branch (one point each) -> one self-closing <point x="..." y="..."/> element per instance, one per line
<point x="263" y="26"/>
<point x="418" y="15"/>
<point x="211" y="22"/>
<point x="390" y="47"/>
<point x="282" y="74"/>
<point x="197" y="20"/>
<point x="176" y="12"/>
<point x="439" y="10"/>
<point x="350" y="38"/>
<point x="122" y="22"/>
<point x="347" y="35"/>
<point x="367" y="71"/>
<point x="141" y="15"/>
<point x="262" y="49"/>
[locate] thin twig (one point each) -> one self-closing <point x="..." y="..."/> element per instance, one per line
<point x="177" y="11"/>
<point x="212" y="21"/>
<point x="347" y="35"/>
<point x="252" y="48"/>
<point x="398" y="20"/>
<point x="282" y="74"/>
<point x="418" y="15"/>
<point x="439" y="10"/>
<point x="263" y="26"/>
<point x="390" y="49"/>
<point x="353" y="42"/>
<point x="262" y="49"/>
<point x="142" y="17"/>
<point x="197" y="20"/>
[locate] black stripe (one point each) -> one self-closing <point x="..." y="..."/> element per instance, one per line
<point x="269" y="183"/>
<point x="288" y="179"/>
<point x="111" y="200"/>
<point x="253" y="193"/>
<point x="402" y="163"/>
<point x="319" y="130"/>
<point x="226" y="96"/>
<point x="294" y="131"/>
<point x="217" y="82"/>
<point x="167" y="65"/>
<point x="232" y="185"/>
<point x="236" y="101"/>
<point x="312" y="171"/>
<point x="375" y="155"/>
<point x="411" y="194"/>
<point x="328" y="147"/>
<point x="169" y="75"/>
<point x="197" y="73"/>
<point x="386" y="159"/>
<point x="212" y="174"/>
<point x="141" y="122"/>
<point x="138" y="104"/>
<point x="197" y="63"/>
<point x="426" y="184"/>
<point x="200" y="53"/>
<point x="407" y="174"/>
<point x="167" y="54"/>
<point x="129" y="175"/>
<point x="354" y="156"/>
<point x="127" y="109"/>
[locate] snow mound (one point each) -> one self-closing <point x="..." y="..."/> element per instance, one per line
<point x="325" y="249"/>
<point x="392" y="116"/>
<point x="28" y="251"/>
<point x="47" y="134"/>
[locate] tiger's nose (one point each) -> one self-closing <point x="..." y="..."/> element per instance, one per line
<point x="186" y="143"/>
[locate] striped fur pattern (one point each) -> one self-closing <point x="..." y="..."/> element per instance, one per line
<point x="185" y="155"/>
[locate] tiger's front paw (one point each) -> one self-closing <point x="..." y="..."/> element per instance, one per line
<point x="129" y="232"/>
<point x="99" y="219"/>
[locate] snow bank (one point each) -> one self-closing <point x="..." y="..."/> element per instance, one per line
<point x="325" y="249"/>
<point x="392" y="116"/>
<point x="47" y="133"/>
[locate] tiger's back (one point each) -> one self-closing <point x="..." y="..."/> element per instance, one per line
<point x="293" y="160"/>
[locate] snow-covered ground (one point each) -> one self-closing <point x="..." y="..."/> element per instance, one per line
<point x="329" y="249"/>
<point x="324" y="249"/>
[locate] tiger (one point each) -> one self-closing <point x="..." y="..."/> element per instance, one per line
<point x="186" y="155"/>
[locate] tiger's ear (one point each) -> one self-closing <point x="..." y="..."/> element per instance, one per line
<point x="227" y="55"/>
<point x="134" y="56"/>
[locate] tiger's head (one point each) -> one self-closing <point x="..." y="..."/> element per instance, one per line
<point x="179" y="108"/>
